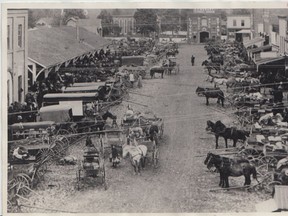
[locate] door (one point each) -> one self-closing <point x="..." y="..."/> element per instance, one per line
<point x="203" y="36"/>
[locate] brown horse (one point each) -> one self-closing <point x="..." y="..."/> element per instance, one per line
<point x="231" y="167"/>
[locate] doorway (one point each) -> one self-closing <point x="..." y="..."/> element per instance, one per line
<point x="204" y="36"/>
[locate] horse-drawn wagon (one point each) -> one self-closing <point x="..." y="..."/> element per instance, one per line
<point x="93" y="163"/>
<point x="171" y="66"/>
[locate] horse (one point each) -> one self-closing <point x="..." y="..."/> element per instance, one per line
<point x="107" y="115"/>
<point x="231" y="167"/>
<point x="211" y="65"/>
<point x="216" y="81"/>
<point x="158" y="69"/>
<point x="211" y="93"/>
<point x="137" y="156"/>
<point x="220" y="130"/>
<point x="115" y="159"/>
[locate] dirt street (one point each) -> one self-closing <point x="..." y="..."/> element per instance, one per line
<point x="182" y="181"/>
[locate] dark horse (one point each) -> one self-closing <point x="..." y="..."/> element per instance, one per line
<point x="231" y="167"/>
<point x="219" y="129"/>
<point x="211" y="93"/>
<point x="107" y="115"/>
<point x="154" y="70"/>
<point x="210" y="65"/>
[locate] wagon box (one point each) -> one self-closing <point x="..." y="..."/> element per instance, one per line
<point x="132" y="60"/>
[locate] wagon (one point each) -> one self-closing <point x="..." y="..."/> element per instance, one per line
<point x="144" y="122"/>
<point x="152" y="151"/>
<point x="30" y="130"/>
<point x="113" y="137"/>
<point x="173" y="66"/>
<point x="92" y="166"/>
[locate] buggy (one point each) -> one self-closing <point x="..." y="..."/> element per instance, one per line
<point x="92" y="165"/>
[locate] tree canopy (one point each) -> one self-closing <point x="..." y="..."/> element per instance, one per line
<point x="146" y="21"/>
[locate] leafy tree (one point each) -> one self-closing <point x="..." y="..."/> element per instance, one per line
<point x="146" y="21"/>
<point x="106" y="22"/>
<point x="68" y="13"/>
<point x="31" y="19"/>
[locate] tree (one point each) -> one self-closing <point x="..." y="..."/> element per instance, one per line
<point x="68" y="13"/>
<point x="146" y="21"/>
<point x="31" y="19"/>
<point x="106" y="22"/>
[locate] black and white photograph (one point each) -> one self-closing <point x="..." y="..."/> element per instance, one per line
<point x="145" y="109"/>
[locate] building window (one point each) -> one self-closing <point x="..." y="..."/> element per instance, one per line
<point x="20" y="89"/>
<point x="8" y="37"/>
<point x="20" y="35"/>
<point x="204" y="22"/>
<point x="234" y="22"/>
<point x="242" y="23"/>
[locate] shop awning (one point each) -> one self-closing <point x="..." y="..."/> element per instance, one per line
<point x="261" y="49"/>
<point x="244" y="31"/>
<point x="267" y="62"/>
<point x="253" y="41"/>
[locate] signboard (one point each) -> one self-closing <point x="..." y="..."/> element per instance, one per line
<point x="204" y="10"/>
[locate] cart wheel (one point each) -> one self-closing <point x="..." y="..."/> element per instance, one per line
<point x="45" y="154"/>
<point x="58" y="149"/>
<point x="63" y="138"/>
<point x="272" y="161"/>
<point x="23" y="184"/>
<point x="263" y="170"/>
<point x="65" y="133"/>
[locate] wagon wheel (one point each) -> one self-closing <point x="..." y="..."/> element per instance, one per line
<point x="64" y="139"/>
<point x="250" y="154"/>
<point x="270" y="160"/>
<point x="263" y="170"/>
<point x="65" y="133"/>
<point x="155" y="157"/>
<point x="23" y="182"/>
<point x="269" y="188"/>
<point x="59" y="149"/>
<point x="44" y="155"/>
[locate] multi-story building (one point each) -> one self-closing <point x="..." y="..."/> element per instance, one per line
<point x="17" y="55"/>
<point x="239" y="27"/>
<point x="203" y="24"/>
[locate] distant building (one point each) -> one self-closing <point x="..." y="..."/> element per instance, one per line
<point x="283" y="35"/>
<point x="92" y="25"/>
<point x="203" y="24"/>
<point x="125" y="20"/>
<point x="239" y="27"/>
<point x="17" y="55"/>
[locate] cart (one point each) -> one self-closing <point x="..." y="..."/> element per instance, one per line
<point x="152" y="151"/>
<point x="92" y="166"/>
<point x="173" y="66"/>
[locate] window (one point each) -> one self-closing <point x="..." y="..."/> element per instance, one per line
<point x="20" y="35"/>
<point x="8" y="37"/>
<point x="204" y="22"/>
<point x="20" y="90"/>
<point x="234" y="22"/>
<point x="242" y="23"/>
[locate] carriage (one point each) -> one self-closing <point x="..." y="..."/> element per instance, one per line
<point x="114" y="137"/>
<point x="144" y="122"/>
<point x="30" y="130"/>
<point x="172" y="66"/>
<point x="92" y="165"/>
<point x="152" y="151"/>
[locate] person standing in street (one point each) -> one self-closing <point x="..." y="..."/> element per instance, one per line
<point x="192" y="60"/>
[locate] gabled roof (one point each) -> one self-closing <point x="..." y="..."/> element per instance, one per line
<point x="52" y="46"/>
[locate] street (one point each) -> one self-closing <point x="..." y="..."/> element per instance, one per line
<point x="182" y="181"/>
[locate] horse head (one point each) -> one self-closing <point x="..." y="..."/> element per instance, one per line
<point x="210" y="126"/>
<point x="200" y="91"/>
<point x="219" y="127"/>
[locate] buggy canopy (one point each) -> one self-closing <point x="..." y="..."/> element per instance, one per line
<point x="56" y="113"/>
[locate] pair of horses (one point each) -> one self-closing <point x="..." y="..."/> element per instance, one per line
<point x="231" y="167"/>
<point x="211" y="93"/>
<point x="220" y="130"/>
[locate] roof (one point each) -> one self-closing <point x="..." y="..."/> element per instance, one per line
<point x="261" y="49"/>
<point x="253" y="41"/>
<point x="56" y="45"/>
<point x="269" y="60"/>
<point x="244" y="31"/>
